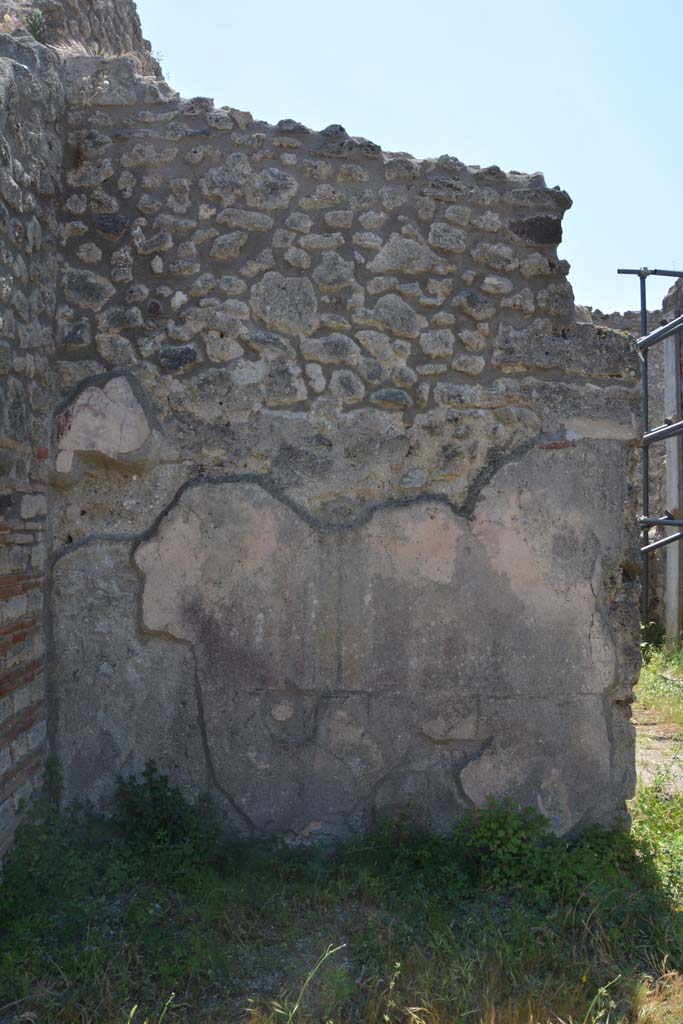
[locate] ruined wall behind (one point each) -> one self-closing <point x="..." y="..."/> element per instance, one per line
<point x="629" y="322"/>
<point x="31" y="125"/>
<point x="347" y="490"/>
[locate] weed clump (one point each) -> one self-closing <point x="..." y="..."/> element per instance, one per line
<point x="36" y="25"/>
<point x="165" y="833"/>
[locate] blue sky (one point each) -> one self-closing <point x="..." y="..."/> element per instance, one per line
<point x="587" y="92"/>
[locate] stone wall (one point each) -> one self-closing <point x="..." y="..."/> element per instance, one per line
<point x="31" y="116"/>
<point x="344" y="482"/>
<point x="341" y="497"/>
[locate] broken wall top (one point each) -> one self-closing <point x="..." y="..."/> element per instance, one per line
<point x="104" y="27"/>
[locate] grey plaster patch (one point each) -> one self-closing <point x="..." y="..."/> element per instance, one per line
<point x="440" y="630"/>
<point x="106" y="419"/>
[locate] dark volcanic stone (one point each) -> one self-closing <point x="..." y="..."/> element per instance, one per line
<point x="111" y="224"/>
<point x="176" y="358"/>
<point x="543" y="229"/>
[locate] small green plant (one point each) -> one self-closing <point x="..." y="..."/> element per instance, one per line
<point x="337" y="988"/>
<point x="134" y="1010"/>
<point x="391" y="1006"/>
<point x="35" y="23"/>
<point x="505" y="844"/>
<point x="288" y="1013"/>
<point x="159" y="825"/>
<point x="651" y="637"/>
<point x="166" y="1006"/>
<point x="601" y="1005"/>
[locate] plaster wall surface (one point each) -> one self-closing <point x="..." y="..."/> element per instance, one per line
<point x="341" y="496"/>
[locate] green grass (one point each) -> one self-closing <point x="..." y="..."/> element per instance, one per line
<point x="660" y="687"/>
<point x="150" y="915"/>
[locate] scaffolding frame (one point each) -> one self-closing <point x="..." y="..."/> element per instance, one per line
<point x="669" y="431"/>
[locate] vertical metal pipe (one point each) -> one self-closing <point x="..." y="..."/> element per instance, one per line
<point x="645" y="592"/>
<point x="643" y="303"/>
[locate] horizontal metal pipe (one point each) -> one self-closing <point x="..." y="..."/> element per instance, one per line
<point x="647" y="522"/>
<point x="662" y="543"/>
<point x="661" y="433"/>
<point x="660" y="333"/>
<point x="645" y="272"/>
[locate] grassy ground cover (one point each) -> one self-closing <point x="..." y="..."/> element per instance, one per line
<point x="500" y="923"/>
<point x="660" y="687"/>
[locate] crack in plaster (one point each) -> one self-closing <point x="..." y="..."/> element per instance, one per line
<point x="206" y="747"/>
<point x="466" y="509"/>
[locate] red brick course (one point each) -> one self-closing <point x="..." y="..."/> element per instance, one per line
<point x="21" y="772"/>
<point x="19" y="624"/>
<point x="16" y="632"/>
<point x="19" y="583"/>
<point x="19" y="677"/>
<point x="21" y="722"/>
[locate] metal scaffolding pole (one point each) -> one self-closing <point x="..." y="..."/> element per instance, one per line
<point x="667" y="430"/>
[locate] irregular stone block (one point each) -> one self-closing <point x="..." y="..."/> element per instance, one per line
<point x="437" y="343"/>
<point x="346" y="387"/>
<point x="391" y="398"/>
<point x="543" y="229"/>
<point x="111" y="224"/>
<point x="284" y="384"/>
<point x="90" y="174"/>
<point x="474" y="305"/>
<point x="496" y="255"/>
<point x="245" y="220"/>
<point x="583" y="349"/>
<point x="227" y="247"/>
<point x="468" y="364"/>
<point x="86" y="289"/>
<point x="334" y="348"/>
<point x="285" y="303"/>
<point x="395" y="315"/>
<point x="177" y="357"/>
<point x="404" y="255"/>
<point x="115" y="350"/>
<point x="333" y="272"/>
<point x="119" y="318"/>
<point x="443" y="236"/>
